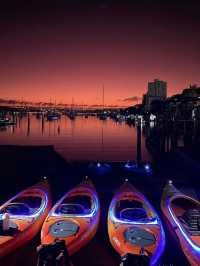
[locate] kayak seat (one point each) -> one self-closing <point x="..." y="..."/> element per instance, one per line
<point x="130" y="209"/>
<point x="32" y="202"/>
<point x="133" y="214"/>
<point x="70" y="208"/>
<point x="82" y="200"/>
<point x="191" y="221"/>
<point x="16" y="208"/>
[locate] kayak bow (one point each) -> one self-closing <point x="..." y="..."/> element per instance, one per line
<point x="183" y="213"/>
<point x="22" y="216"/>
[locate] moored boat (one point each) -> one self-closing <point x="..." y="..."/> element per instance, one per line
<point x="134" y="228"/>
<point x="183" y="214"/>
<point x="52" y="116"/>
<point x="6" y="122"/>
<point x="71" y="115"/>
<point x="22" y="216"/>
<point x="74" y="218"/>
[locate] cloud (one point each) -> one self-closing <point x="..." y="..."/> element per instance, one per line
<point x="131" y="99"/>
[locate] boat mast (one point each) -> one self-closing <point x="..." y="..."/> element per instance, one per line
<point x="103" y="100"/>
<point x="55" y="105"/>
<point x="50" y="103"/>
<point x="72" y="106"/>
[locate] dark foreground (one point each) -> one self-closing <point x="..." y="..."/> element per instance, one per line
<point x="24" y="166"/>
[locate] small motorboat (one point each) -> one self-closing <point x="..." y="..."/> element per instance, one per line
<point x="22" y="216"/>
<point x="134" y="228"/>
<point x="183" y="214"/>
<point x="6" y="122"/>
<point x="39" y="115"/>
<point x="72" y="115"/>
<point x="74" y="218"/>
<point x="102" y="116"/>
<point x="52" y="116"/>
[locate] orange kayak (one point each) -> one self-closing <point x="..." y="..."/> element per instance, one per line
<point x="74" y="218"/>
<point x="22" y="216"/>
<point x="183" y="214"/>
<point x="134" y="228"/>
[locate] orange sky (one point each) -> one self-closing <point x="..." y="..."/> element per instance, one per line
<point x="70" y="51"/>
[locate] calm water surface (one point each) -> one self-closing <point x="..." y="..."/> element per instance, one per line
<point x="79" y="139"/>
<point x="88" y="139"/>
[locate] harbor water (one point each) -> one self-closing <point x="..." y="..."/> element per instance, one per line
<point x="76" y="144"/>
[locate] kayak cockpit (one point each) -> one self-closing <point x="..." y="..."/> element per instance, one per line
<point x="188" y="213"/>
<point x="17" y="208"/>
<point x="26" y="205"/>
<point x="131" y="210"/>
<point x="75" y="205"/>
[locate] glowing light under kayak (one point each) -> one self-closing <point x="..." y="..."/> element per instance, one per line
<point x="134" y="165"/>
<point x="147" y="167"/>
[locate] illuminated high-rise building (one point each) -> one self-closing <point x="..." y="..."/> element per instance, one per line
<point x="157" y="90"/>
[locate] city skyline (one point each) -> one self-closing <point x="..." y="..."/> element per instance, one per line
<point x="69" y="50"/>
<point x="150" y="94"/>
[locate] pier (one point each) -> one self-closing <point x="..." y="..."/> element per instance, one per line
<point x="30" y="163"/>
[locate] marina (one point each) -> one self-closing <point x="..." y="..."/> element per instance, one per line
<point x="61" y="167"/>
<point x="100" y="133"/>
<point x="80" y="139"/>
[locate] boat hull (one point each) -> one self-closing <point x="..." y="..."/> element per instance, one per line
<point x="118" y="228"/>
<point x="85" y="225"/>
<point x="190" y="247"/>
<point x="28" y="227"/>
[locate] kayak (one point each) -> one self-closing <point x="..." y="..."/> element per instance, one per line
<point x="22" y="216"/>
<point x="74" y="218"/>
<point x="183" y="214"/>
<point x="133" y="225"/>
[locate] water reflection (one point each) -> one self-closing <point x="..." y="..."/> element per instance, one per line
<point x="80" y="139"/>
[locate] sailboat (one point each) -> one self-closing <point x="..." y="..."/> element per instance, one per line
<point x="72" y="113"/>
<point x="103" y="115"/>
<point x="6" y="122"/>
<point x="53" y="114"/>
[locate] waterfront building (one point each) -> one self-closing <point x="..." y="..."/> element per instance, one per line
<point x="156" y="91"/>
<point x="193" y="91"/>
<point x="185" y="105"/>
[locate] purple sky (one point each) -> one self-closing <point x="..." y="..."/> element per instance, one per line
<point x="71" y="49"/>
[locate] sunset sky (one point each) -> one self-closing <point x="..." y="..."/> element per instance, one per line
<point x="71" y="49"/>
